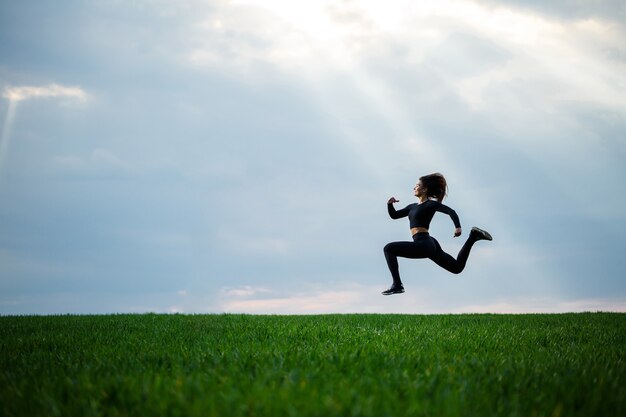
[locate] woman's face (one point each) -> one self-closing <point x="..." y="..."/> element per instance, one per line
<point x="419" y="189"/>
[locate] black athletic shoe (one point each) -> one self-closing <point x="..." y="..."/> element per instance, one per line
<point x="481" y="234"/>
<point x="394" y="289"/>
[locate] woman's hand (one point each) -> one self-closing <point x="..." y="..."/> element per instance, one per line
<point x="392" y="200"/>
<point x="457" y="232"/>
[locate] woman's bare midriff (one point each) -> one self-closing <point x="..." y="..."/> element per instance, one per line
<point x="415" y="230"/>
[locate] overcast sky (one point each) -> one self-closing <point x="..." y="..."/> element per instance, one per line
<point x="237" y="156"/>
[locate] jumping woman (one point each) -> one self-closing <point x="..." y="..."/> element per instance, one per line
<point x="430" y="190"/>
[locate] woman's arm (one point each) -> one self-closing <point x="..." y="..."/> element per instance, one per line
<point x="396" y="214"/>
<point x="455" y="218"/>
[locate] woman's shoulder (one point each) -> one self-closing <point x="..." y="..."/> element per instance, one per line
<point x="437" y="204"/>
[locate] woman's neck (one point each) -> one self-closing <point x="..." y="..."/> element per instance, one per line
<point x="424" y="199"/>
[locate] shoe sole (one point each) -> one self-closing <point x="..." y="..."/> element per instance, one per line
<point x="485" y="234"/>
<point x="392" y="293"/>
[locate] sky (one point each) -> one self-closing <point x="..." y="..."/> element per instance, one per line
<point x="237" y="156"/>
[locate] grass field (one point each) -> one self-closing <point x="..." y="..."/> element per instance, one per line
<point x="329" y="365"/>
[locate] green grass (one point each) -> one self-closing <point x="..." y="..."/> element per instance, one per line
<point x="330" y="365"/>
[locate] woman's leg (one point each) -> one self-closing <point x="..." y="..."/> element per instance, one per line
<point x="412" y="250"/>
<point x="457" y="265"/>
<point x="447" y="262"/>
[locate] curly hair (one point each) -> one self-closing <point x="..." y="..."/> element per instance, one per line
<point x="436" y="186"/>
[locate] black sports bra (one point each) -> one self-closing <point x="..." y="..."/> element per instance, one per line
<point x="421" y="214"/>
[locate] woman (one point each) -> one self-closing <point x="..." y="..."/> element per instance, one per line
<point x="430" y="190"/>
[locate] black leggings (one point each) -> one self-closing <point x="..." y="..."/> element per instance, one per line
<point x="425" y="246"/>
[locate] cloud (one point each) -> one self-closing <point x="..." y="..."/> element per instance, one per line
<point x="247" y="244"/>
<point x="471" y="47"/>
<point x="313" y="300"/>
<point x="245" y="291"/>
<point x="52" y="90"/>
<point x="18" y="94"/>
<point x="546" y="305"/>
<point x="567" y="9"/>
<point x="99" y="163"/>
<point x="251" y="145"/>
<point x="358" y="298"/>
<point x="343" y="298"/>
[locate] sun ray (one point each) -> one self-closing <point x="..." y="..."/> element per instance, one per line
<point x="6" y="132"/>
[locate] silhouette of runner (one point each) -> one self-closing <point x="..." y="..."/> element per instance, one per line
<point x="430" y="190"/>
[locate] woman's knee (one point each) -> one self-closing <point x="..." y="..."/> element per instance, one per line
<point x="453" y="267"/>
